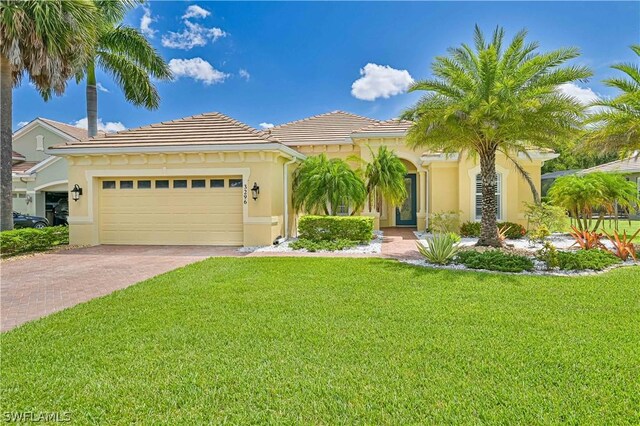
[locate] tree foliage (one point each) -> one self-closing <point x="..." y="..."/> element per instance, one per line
<point x="384" y="178"/>
<point x="322" y="186"/>
<point x="496" y="97"/>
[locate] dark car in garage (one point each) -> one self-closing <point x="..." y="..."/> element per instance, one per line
<point x="27" y="221"/>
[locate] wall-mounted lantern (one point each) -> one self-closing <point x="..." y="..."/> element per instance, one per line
<point x="255" y="191"/>
<point x="76" y="192"/>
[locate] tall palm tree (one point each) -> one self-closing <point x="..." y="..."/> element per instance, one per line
<point x="384" y="176"/>
<point x="496" y="98"/>
<point x="324" y="186"/>
<point x="47" y="41"/>
<point x="615" y="127"/>
<point x="128" y="56"/>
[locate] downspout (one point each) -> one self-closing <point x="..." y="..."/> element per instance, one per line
<point x="286" y="196"/>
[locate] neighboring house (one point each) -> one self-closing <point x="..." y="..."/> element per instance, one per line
<point x="629" y="167"/>
<point x="190" y="181"/>
<point x="549" y="178"/>
<point x="39" y="179"/>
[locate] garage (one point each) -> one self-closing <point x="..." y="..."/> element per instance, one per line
<point x="163" y="210"/>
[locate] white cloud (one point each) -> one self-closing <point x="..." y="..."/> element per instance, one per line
<point x="266" y="125"/>
<point x="101" y="88"/>
<point x="244" y="74"/>
<point x="193" y="35"/>
<point x="195" y="11"/>
<point x="22" y="124"/>
<point x="146" y="21"/>
<point x="380" y="81"/>
<point x="583" y="95"/>
<point x="198" y="69"/>
<point x="109" y="126"/>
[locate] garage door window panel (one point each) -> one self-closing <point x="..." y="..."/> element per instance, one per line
<point x="126" y="184"/>
<point x="180" y="183"/>
<point x="109" y="184"/>
<point x="162" y="184"/>
<point x="144" y="184"/>
<point x="217" y="183"/>
<point x="235" y="183"/>
<point x="198" y="183"/>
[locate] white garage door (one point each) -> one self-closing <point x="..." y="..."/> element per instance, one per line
<point x="171" y="210"/>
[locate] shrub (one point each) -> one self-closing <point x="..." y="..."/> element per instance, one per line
<point x="596" y="260"/>
<point x="313" y="246"/>
<point x="539" y="234"/>
<point x="587" y="240"/>
<point x="27" y="240"/>
<point x="511" y="230"/>
<point x="549" y="255"/>
<point x="623" y="245"/>
<point x="440" y="248"/>
<point x="332" y="228"/>
<point x="494" y="260"/>
<point x="444" y="222"/>
<point x="470" y="229"/>
<point x="552" y="217"/>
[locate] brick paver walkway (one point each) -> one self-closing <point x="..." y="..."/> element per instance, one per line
<point x="400" y="243"/>
<point x="34" y="286"/>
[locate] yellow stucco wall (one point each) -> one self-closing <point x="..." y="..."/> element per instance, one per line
<point x="262" y="218"/>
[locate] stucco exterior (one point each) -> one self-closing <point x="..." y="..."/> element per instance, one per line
<point x="213" y="145"/>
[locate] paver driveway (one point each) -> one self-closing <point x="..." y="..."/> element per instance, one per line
<point x="35" y="286"/>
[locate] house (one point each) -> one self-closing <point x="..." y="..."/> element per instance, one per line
<point x="629" y="167"/>
<point x="210" y="179"/>
<point x="39" y="179"/>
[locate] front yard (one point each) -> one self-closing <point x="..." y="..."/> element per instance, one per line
<point x="323" y="341"/>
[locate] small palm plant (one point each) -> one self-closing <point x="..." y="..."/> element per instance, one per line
<point x="440" y="248"/>
<point x="384" y="176"/>
<point x="326" y="186"/>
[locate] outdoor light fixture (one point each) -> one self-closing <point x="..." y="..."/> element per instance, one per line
<point x="255" y="191"/>
<point x="76" y="192"/>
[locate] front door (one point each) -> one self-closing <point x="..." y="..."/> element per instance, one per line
<point x="406" y="213"/>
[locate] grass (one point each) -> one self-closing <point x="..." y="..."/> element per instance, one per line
<point x="325" y="341"/>
<point x="623" y="225"/>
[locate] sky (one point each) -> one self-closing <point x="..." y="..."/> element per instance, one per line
<point x="267" y="63"/>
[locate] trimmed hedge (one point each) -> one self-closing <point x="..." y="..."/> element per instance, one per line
<point x="313" y="246"/>
<point x="472" y="229"/>
<point x="494" y="260"/>
<point x="331" y="228"/>
<point x="27" y="240"/>
<point x="595" y="260"/>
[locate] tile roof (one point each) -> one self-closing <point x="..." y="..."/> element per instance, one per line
<point x="17" y="156"/>
<point x="628" y="165"/>
<point x="73" y="131"/>
<point x="559" y="173"/>
<point x="389" y="126"/>
<point x="23" y="166"/>
<point x="329" y="128"/>
<point x="203" y="129"/>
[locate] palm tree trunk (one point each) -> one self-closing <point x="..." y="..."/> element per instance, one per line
<point x="489" y="230"/>
<point x="6" y="118"/>
<point x="92" y="101"/>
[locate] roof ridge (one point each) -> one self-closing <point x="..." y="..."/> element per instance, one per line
<point x="279" y="126"/>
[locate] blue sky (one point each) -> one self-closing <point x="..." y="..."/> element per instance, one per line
<point x="263" y="62"/>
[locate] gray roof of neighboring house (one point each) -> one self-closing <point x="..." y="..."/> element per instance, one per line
<point x="330" y="128"/>
<point x="559" y="173"/>
<point x="627" y="165"/>
<point x="203" y="129"/>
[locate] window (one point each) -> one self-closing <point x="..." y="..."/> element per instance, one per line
<point x="126" y="184"/>
<point x="19" y="195"/>
<point x="198" y="183"/>
<point x="479" y="196"/>
<point x="343" y="209"/>
<point x="144" y="184"/>
<point x="162" y="184"/>
<point x="180" y="183"/>
<point x="217" y="183"/>
<point x="235" y="183"/>
<point x="108" y="184"/>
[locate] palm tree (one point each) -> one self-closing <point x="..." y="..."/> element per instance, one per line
<point x="126" y="54"/>
<point x="615" y="127"/>
<point x="47" y="41"/>
<point x="323" y="186"/>
<point x="384" y="176"/>
<point x="494" y="98"/>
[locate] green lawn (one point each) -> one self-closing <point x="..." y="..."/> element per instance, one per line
<point x="326" y="341"/>
<point x="623" y="225"/>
